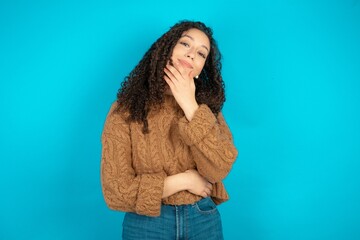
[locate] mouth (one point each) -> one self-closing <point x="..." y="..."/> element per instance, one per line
<point x="185" y="63"/>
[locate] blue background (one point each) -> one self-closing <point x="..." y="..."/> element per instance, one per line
<point x="292" y="73"/>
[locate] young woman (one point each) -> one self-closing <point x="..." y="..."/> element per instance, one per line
<point x="166" y="145"/>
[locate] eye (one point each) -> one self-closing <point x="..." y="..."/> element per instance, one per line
<point x="202" y="55"/>
<point x="184" y="44"/>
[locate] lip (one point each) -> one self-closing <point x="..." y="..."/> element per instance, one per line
<point x="185" y="63"/>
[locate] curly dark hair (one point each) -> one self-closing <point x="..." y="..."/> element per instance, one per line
<point x="144" y="87"/>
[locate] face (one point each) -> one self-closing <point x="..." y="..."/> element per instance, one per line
<point x="191" y="51"/>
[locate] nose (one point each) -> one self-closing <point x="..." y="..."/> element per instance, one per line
<point x="190" y="53"/>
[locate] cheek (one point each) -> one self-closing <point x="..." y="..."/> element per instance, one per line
<point x="199" y="67"/>
<point x="176" y="51"/>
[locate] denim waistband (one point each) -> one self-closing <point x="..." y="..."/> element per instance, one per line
<point x="190" y="204"/>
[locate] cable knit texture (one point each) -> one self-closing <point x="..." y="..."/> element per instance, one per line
<point x="134" y="165"/>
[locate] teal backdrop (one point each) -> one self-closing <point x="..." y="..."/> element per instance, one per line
<point x="292" y="74"/>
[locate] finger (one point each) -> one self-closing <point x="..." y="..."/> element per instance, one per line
<point x="169" y="81"/>
<point x="209" y="185"/>
<point x="208" y="191"/>
<point x="172" y="76"/>
<point x="204" y="194"/>
<point x="172" y="68"/>
<point x="177" y="74"/>
<point x="169" y="73"/>
<point x="180" y="68"/>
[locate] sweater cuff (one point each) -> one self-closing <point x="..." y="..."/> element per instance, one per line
<point x="202" y="122"/>
<point x="150" y="193"/>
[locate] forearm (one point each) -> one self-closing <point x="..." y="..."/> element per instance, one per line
<point x="123" y="189"/>
<point x="210" y="142"/>
<point x="174" y="184"/>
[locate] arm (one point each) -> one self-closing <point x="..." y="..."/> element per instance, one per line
<point x="174" y="184"/>
<point x="210" y="143"/>
<point x="209" y="137"/>
<point x="189" y="180"/>
<point x="123" y="189"/>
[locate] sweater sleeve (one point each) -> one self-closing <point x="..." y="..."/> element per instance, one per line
<point x="210" y="142"/>
<point x="122" y="188"/>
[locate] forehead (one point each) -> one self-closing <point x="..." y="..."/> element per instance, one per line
<point x="197" y="36"/>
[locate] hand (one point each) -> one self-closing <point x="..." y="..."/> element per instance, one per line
<point x="197" y="184"/>
<point x="182" y="86"/>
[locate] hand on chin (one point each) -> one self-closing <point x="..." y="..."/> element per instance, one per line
<point x="184" y="71"/>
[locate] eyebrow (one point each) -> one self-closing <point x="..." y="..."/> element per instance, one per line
<point x="185" y="35"/>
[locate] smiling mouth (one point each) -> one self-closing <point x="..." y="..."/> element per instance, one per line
<point x="185" y="63"/>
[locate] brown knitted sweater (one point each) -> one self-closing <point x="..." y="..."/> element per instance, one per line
<point x="134" y="165"/>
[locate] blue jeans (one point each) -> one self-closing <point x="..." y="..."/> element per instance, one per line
<point x="200" y="220"/>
